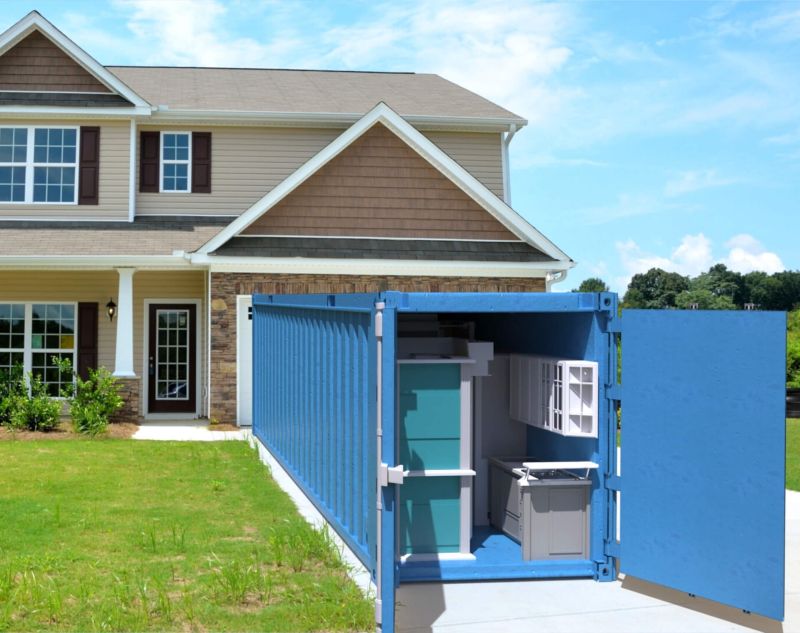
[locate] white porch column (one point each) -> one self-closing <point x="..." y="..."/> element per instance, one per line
<point x="123" y="361"/>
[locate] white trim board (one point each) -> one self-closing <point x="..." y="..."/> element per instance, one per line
<point x="35" y="21"/>
<point x="394" y="267"/>
<point x="243" y="303"/>
<point x="428" y="150"/>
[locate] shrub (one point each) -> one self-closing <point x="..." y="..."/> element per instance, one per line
<point x="93" y="401"/>
<point x="37" y="411"/>
<point x="12" y="388"/>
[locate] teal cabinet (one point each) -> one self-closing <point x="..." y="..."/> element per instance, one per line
<point x="430" y="515"/>
<point x="432" y="504"/>
<point x="430" y="416"/>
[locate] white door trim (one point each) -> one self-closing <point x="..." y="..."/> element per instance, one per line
<point x="243" y="302"/>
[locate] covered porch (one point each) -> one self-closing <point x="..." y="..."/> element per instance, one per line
<point x="147" y="326"/>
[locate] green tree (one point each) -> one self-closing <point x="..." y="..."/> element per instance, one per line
<point x="593" y="284"/>
<point x="759" y="288"/>
<point x="721" y="282"/>
<point x="784" y="291"/>
<point x="655" y="289"/>
<point x="793" y="350"/>
<point x="703" y="299"/>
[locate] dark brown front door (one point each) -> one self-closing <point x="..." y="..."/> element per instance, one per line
<point x="172" y="353"/>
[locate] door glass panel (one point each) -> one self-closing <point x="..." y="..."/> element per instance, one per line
<point x="172" y="366"/>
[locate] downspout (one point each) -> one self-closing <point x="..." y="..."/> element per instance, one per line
<point x="505" y="142"/>
<point x="553" y="277"/>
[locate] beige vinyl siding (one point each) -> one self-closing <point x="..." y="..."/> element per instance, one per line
<point x="114" y="161"/>
<point x="477" y="152"/>
<point x="247" y="162"/>
<point x="98" y="287"/>
<point x="170" y="286"/>
<point x="67" y="286"/>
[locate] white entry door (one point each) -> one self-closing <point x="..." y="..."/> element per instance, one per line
<point x="244" y="361"/>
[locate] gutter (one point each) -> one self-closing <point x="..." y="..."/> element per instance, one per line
<point x="332" y="119"/>
<point x="176" y="260"/>
<point x="443" y="268"/>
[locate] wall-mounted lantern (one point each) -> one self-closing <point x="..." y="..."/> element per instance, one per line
<point x="111" y="309"/>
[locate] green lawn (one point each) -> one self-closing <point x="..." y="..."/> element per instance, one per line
<point x="132" y="536"/>
<point x="793" y="454"/>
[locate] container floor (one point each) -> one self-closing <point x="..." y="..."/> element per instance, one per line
<point x="497" y="557"/>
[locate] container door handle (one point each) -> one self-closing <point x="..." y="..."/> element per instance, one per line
<point x="391" y="475"/>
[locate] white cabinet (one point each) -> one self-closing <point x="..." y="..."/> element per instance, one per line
<point x="554" y="394"/>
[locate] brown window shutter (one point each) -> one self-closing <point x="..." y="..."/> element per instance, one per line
<point x="149" y="143"/>
<point x="89" y="166"/>
<point x="201" y="162"/>
<point x="87" y="338"/>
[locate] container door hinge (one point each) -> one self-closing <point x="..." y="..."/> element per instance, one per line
<point x="614" y="482"/>
<point x="614" y="325"/>
<point x="614" y="392"/>
<point x="613" y="549"/>
<point x="390" y="475"/>
<point x="378" y="611"/>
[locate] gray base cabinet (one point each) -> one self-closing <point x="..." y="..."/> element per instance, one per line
<point x="555" y="519"/>
<point x="549" y="515"/>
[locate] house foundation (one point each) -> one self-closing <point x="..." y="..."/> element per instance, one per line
<point x="130" y="391"/>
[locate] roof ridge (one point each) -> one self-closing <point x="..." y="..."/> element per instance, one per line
<point x="296" y="70"/>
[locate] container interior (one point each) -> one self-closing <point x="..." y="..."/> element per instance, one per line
<point x="469" y="509"/>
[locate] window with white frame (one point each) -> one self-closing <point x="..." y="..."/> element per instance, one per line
<point x="32" y="335"/>
<point x="38" y="165"/>
<point x="176" y="161"/>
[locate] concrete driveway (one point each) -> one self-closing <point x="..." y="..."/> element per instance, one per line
<point x="555" y="606"/>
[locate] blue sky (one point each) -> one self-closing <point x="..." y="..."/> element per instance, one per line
<point x="661" y="134"/>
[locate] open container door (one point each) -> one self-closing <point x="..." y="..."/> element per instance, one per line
<point x="704" y="454"/>
<point x="389" y="473"/>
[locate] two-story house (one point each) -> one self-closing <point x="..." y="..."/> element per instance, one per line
<point x="140" y="207"/>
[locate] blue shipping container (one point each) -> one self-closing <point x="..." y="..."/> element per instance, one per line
<point x="338" y="400"/>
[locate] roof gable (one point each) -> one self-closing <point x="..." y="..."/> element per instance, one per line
<point x="35" y="64"/>
<point x="54" y="63"/>
<point x="379" y="187"/>
<point x="437" y="158"/>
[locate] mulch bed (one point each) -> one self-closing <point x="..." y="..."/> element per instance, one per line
<point x="122" y="430"/>
<point x="221" y="426"/>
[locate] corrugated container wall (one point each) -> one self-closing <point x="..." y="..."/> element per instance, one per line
<point x="314" y="408"/>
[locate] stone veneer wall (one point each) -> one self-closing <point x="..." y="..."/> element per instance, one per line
<point x="225" y="287"/>
<point x="130" y="390"/>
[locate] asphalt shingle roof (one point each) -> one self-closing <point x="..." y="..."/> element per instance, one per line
<point x="377" y="248"/>
<point x="144" y="236"/>
<point x="306" y="91"/>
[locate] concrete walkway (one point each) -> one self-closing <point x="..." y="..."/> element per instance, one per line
<point x="186" y="431"/>
<point x="555" y="606"/>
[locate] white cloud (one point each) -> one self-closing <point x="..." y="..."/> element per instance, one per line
<point x="689" y="181"/>
<point x="694" y="255"/>
<point x="747" y="254"/>
<point x="507" y="54"/>
<point x="190" y="32"/>
<point x="691" y="257"/>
